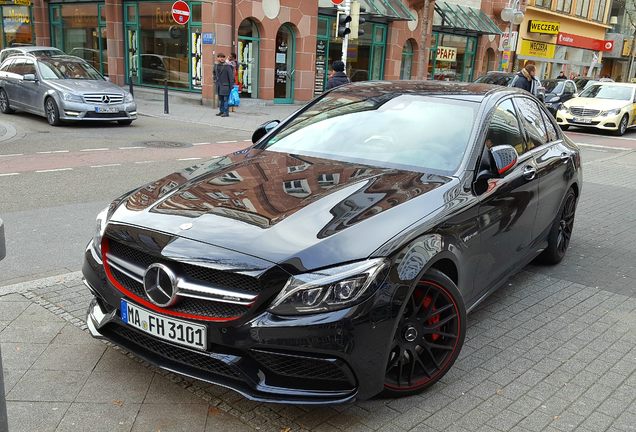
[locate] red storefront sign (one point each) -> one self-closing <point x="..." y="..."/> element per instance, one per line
<point x="573" y="40"/>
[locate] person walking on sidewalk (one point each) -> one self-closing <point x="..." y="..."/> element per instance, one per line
<point x="224" y="80"/>
<point x="338" y="77"/>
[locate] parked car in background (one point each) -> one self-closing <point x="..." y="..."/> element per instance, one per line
<point x="505" y="79"/>
<point x="583" y="83"/>
<point x="33" y="50"/>
<point x="603" y="105"/>
<point x="301" y="270"/>
<point x="557" y="92"/>
<point x="62" y="88"/>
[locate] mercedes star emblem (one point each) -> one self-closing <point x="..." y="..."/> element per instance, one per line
<point x="160" y="285"/>
<point x="106" y="99"/>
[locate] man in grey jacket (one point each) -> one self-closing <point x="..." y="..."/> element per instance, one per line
<point x="224" y="81"/>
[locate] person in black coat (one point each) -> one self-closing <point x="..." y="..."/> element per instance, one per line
<point x="525" y="78"/>
<point x="561" y="76"/>
<point x="224" y="81"/>
<point x="338" y="77"/>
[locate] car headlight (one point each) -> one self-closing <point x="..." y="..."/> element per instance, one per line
<point x="71" y="97"/>
<point x="330" y="289"/>
<point x="612" y="112"/>
<point x="564" y="109"/>
<point x="128" y="97"/>
<point x="100" y="227"/>
<point x="554" y="99"/>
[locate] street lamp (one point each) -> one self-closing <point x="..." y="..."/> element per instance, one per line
<point x="513" y="15"/>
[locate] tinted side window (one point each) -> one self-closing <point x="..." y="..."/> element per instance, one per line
<point x="552" y="132"/>
<point x="532" y="121"/>
<point x="6" y="67"/>
<point x="29" y="67"/>
<point x="18" y="66"/>
<point x="504" y="128"/>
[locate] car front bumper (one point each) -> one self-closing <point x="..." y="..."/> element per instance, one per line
<point x="326" y="358"/>
<point x="599" y="122"/>
<point x="76" y="111"/>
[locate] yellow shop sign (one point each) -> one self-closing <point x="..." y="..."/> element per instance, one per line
<point x="545" y="27"/>
<point x="537" y="49"/>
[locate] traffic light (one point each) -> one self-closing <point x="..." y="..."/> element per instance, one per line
<point x="356" y="20"/>
<point x="343" y="21"/>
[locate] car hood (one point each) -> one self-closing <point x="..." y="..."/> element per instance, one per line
<point x="595" y="103"/>
<point x="288" y="209"/>
<point x="85" y="86"/>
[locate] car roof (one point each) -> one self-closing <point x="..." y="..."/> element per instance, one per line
<point x="32" y="48"/>
<point x="462" y="90"/>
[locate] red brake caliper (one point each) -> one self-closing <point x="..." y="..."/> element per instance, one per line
<point x="432" y="320"/>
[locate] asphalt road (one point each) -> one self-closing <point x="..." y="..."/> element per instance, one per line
<point x="53" y="181"/>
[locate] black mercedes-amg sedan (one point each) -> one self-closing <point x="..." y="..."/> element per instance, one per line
<point x="337" y="258"/>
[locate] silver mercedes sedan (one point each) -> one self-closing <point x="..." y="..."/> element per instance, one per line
<point x="62" y="88"/>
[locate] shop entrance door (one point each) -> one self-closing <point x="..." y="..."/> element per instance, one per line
<point x="248" y="49"/>
<point x="285" y="65"/>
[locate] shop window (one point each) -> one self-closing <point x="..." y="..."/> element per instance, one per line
<point x="504" y="128"/>
<point x="543" y="3"/>
<point x="248" y="56"/>
<point x="163" y="46"/>
<point x="564" y="6"/>
<point x="406" y="67"/>
<point x="17" y="25"/>
<point x="533" y="122"/>
<point x="491" y="60"/>
<point x="583" y="8"/>
<point x="599" y="10"/>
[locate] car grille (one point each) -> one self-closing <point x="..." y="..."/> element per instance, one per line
<point x="584" y="112"/>
<point x="96" y="115"/>
<point x="185" y="304"/>
<point x="99" y="98"/>
<point x="166" y="350"/>
<point x="294" y="366"/>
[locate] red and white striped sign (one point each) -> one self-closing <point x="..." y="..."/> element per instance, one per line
<point x="180" y="12"/>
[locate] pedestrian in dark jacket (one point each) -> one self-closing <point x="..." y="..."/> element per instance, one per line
<point x="561" y="76"/>
<point x="525" y="78"/>
<point x="338" y="77"/>
<point x="224" y="81"/>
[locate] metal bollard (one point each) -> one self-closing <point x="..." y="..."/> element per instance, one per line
<point x="130" y="85"/>
<point x="166" y="109"/>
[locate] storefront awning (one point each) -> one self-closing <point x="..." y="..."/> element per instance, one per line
<point x="393" y="10"/>
<point x="463" y="20"/>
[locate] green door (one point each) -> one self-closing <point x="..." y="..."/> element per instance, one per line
<point x="285" y="62"/>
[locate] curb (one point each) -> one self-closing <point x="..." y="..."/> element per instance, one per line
<point x="73" y="277"/>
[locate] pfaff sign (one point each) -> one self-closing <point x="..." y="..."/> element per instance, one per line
<point x="446" y="54"/>
<point x="544" y="27"/>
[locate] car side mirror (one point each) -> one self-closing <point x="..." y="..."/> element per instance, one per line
<point x="505" y="158"/>
<point x="106" y="78"/>
<point x="29" y="77"/>
<point x="264" y="129"/>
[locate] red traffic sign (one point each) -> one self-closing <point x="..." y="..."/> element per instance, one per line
<point x="180" y="12"/>
<point x="337" y="2"/>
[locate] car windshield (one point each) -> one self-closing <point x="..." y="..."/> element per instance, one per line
<point x="52" y="68"/>
<point x="553" y="86"/>
<point x="413" y="132"/>
<point x="608" y="92"/>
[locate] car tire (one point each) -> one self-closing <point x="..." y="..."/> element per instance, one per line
<point x="5" y="106"/>
<point x="124" y="122"/>
<point x="561" y="231"/>
<point x="52" y="112"/>
<point x="564" y="127"/>
<point x="428" y="338"/>
<point x="622" y="126"/>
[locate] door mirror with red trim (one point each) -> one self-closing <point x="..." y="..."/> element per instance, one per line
<point x="505" y="158"/>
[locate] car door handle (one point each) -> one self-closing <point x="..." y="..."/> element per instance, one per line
<point x="565" y="157"/>
<point x="529" y="172"/>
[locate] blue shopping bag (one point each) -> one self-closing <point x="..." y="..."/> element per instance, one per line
<point x="234" y="99"/>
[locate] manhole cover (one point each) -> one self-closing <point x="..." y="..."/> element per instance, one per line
<point x="164" y="144"/>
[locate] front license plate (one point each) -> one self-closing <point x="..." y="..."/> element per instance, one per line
<point x="173" y="330"/>
<point x="582" y="120"/>
<point x="107" y="109"/>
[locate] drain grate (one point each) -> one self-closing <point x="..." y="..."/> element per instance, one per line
<point x="164" y="144"/>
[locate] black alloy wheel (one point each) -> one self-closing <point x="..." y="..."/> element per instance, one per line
<point x="5" y="107"/>
<point x="428" y="338"/>
<point x="622" y="126"/>
<point x="561" y="232"/>
<point x="52" y="112"/>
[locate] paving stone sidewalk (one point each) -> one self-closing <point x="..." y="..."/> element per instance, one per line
<point x="554" y="350"/>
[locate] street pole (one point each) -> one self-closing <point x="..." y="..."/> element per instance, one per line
<point x="345" y="40"/>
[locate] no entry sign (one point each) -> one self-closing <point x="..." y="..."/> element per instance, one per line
<point x="180" y="12"/>
<point x="337" y="2"/>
